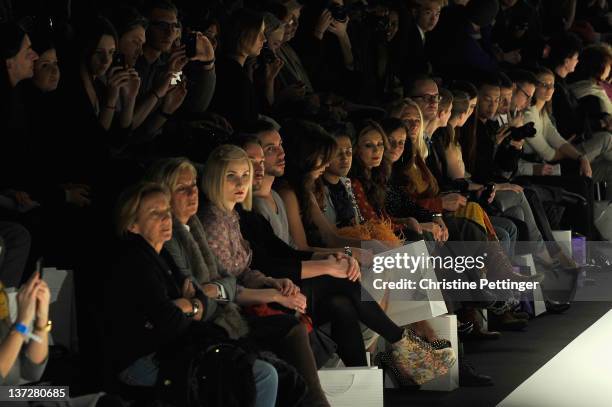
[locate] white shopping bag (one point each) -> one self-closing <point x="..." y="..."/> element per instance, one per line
<point x="539" y="306"/>
<point x="445" y="327"/>
<point x="564" y="238"/>
<point x="603" y="218"/>
<point x="352" y="387"/>
<point x="408" y="306"/>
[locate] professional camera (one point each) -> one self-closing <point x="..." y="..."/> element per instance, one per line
<point x="525" y="131"/>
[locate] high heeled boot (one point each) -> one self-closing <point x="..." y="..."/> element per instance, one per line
<point x="411" y="361"/>
<point x="296" y="350"/>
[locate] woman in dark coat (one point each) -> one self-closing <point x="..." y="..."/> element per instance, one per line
<point x="152" y="306"/>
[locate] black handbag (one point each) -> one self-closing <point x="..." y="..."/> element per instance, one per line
<point x="291" y="385"/>
<point x="322" y="345"/>
<point x="204" y="370"/>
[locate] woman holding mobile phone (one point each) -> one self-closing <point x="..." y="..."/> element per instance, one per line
<point x="18" y="359"/>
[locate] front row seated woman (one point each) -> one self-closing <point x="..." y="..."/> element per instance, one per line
<point x="227" y="183"/>
<point x="153" y="307"/>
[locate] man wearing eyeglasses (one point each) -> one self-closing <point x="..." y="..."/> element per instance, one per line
<point x="503" y="116"/>
<point x="525" y="85"/>
<point x="424" y="91"/>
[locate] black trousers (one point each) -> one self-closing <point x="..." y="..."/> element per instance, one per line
<point x="340" y="302"/>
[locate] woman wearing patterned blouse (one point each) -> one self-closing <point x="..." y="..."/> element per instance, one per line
<point x="227" y="182"/>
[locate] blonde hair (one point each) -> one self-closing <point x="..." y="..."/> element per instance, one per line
<point x="213" y="180"/>
<point x="398" y="110"/>
<point x="131" y="199"/>
<point x="168" y="170"/>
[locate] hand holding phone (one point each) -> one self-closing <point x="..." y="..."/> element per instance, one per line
<point x="118" y="60"/>
<point x="190" y="44"/>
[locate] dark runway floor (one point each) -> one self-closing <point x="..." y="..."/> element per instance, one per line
<point x="510" y="360"/>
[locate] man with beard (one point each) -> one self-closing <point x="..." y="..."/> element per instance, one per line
<point x="270" y="252"/>
<point x="266" y="201"/>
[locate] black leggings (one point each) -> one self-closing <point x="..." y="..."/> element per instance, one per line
<point x="340" y="302"/>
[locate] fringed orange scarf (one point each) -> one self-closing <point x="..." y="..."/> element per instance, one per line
<point x="373" y="229"/>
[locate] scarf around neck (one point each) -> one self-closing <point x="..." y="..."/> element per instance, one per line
<point x="205" y="270"/>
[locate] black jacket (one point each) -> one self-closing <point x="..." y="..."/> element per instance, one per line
<point x="142" y="318"/>
<point x="408" y="51"/>
<point x="571" y="116"/>
<point x="271" y="255"/>
<point x="234" y="96"/>
<point x="490" y="162"/>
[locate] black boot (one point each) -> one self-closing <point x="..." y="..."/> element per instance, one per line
<point x="506" y="322"/>
<point x="555" y="307"/>
<point x="469" y="377"/>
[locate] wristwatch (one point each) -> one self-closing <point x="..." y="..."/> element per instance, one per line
<point x="195" y="308"/>
<point x="348" y="251"/>
<point x="222" y="294"/>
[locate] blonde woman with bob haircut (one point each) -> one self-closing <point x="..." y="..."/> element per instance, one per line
<point x="227" y="182"/>
<point x="216" y="170"/>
